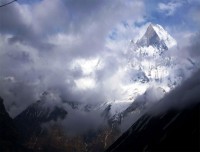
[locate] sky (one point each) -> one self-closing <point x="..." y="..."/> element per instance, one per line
<point x="75" y="48"/>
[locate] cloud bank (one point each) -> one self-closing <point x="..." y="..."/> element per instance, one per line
<point x="73" y="49"/>
<point x="62" y="47"/>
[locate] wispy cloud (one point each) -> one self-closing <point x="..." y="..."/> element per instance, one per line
<point x="170" y="7"/>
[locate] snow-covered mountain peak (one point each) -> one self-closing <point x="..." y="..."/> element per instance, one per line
<point x="150" y="70"/>
<point x="156" y="36"/>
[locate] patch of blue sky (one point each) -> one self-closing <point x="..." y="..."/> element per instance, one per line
<point x="141" y="23"/>
<point x="180" y="16"/>
<point x="116" y="32"/>
<point x="113" y="34"/>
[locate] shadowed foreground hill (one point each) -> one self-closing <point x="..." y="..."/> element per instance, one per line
<point x="171" y="125"/>
<point x="9" y="135"/>
<point x="174" y="130"/>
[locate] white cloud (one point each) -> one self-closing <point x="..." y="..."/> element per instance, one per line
<point x="57" y="46"/>
<point x="87" y="66"/>
<point x="85" y="83"/>
<point x="169" y="8"/>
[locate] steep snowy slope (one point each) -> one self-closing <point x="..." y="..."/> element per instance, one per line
<point x="150" y="67"/>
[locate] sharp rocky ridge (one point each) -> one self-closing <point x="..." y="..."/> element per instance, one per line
<point x="156" y="36"/>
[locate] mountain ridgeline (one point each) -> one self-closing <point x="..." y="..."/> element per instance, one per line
<point x="151" y="73"/>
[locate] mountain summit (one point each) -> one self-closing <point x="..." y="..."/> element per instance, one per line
<point x="156" y="36"/>
<point x="150" y="71"/>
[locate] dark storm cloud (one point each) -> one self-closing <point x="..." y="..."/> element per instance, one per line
<point x="32" y="24"/>
<point x="11" y="20"/>
<point x="14" y="20"/>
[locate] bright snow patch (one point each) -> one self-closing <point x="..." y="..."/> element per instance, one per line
<point x="163" y="35"/>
